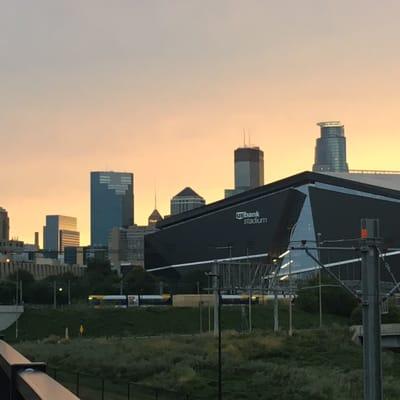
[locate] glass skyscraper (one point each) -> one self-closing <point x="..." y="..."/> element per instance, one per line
<point x="111" y="204"/>
<point x="59" y="232"/>
<point x="330" y="150"/>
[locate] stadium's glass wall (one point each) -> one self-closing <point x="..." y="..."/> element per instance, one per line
<point x="263" y="223"/>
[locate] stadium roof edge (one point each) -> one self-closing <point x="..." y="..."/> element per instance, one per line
<point x="285" y="183"/>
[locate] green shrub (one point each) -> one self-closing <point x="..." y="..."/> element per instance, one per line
<point x="392" y="317"/>
<point x="335" y="300"/>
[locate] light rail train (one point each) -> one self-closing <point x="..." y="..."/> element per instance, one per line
<point x="125" y="301"/>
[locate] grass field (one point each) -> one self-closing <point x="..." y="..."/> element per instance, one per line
<point x="38" y="324"/>
<point x="161" y="347"/>
<point x="313" y="364"/>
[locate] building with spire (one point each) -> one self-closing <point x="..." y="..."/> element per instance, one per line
<point x="330" y="149"/>
<point x="154" y="218"/>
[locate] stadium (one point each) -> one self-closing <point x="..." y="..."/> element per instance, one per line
<point x="263" y="225"/>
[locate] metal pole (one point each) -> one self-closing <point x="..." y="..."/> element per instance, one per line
<point x="16" y="289"/>
<point x="219" y="341"/>
<point x="319" y="281"/>
<point x="54" y="294"/>
<point x="250" y="316"/>
<point x="217" y="299"/>
<point x="77" y="384"/>
<point x="320" y="297"/>
<point x="290" y="297"/>
<point x="20" y="293"/>
<point x="201" y="316"/>
<point x="276" y="311"/>
<point x="209" y="303"/>
<point x="371" y="309"/>
<point x="69" y="292"/>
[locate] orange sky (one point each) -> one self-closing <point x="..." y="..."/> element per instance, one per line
<point x="165" y="88"/>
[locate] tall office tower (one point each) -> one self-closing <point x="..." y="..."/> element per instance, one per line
<point x="37" y="245"/>
<point x="4" y="225"/>
<point x="60" y="232"/>
<point x="111" y="204"/>
<point x="330" y="150"/>
<point x="249" y="170"/>
<point x="186" y="200"/>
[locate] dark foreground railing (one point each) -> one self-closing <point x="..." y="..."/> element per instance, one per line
<point x="21" y="379"/>
<point x="94" y="387"/>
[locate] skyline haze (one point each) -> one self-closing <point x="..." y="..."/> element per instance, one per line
<point x="164" y="89"/>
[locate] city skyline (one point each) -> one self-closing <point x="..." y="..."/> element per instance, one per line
<point x="90" y="88"/>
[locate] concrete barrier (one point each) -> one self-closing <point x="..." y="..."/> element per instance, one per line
<point x="8" y="315"/>
<point x="390" y="334"/>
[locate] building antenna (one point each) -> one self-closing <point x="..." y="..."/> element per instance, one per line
<point x="155" y="196"/>
<point x="244" y="137"/>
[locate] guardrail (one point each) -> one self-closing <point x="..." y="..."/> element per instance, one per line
<point x="21" y="379"/>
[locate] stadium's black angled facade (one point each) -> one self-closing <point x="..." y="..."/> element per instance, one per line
<point x="264" y="222"/>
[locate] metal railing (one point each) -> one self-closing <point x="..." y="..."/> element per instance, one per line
<point x="94" y="387"/>
<point x="21" y="379"/>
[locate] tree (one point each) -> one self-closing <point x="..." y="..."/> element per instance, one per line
<point x="335" y="300"/>
<point x="139" y="281"/>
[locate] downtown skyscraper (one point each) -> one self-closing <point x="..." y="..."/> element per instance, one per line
<point x="59" y="232"/>
<point x="111" y="204"/>
<point x="249" y="169"/>
<point x="330" y="149"/>
<point x="4" y="225"/>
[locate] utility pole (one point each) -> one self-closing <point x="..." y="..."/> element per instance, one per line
<point x="276" y="311"/>
<point x="20" y="293"/>
<point x="209" y="303"/>
<point x="319" y="280"/>
<point x="55" y="295"/>
<point x="370" y="275"/>
<point x="69" y="292"/>
<point x="290" y="297"/>
<point x="217" y="322"/>
<point x="217" y="299"/>
<point x="200" y="308"/>
<point x="250" y="315"/>
<point x="17" y="289"/>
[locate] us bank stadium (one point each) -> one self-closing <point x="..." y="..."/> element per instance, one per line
<point x="262" y="226"/>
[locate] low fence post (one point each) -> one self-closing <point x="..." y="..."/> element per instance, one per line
<point x="102" y="388"/>
<point x="77" y="383"/>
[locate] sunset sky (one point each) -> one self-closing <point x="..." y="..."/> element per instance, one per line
<point x="164" y="89"/>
